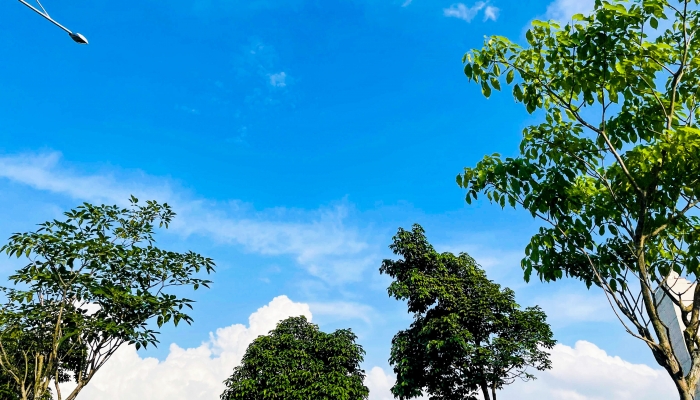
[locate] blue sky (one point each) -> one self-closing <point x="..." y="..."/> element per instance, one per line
<point x="293" y="138"/>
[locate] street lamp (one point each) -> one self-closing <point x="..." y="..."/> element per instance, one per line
<point x="78" y="38"/>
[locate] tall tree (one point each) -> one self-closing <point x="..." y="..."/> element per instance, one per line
<point x="612" y="171"/>
<point x="94" y="281"/>
<point x="296" y="361"/>
<point x="468" y="334"/>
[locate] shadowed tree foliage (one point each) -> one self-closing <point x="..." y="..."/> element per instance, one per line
<point x="93" y="282"/>
<point x="613" y="169"/>
<point x="468" y="334"/>
<point x="296" y="361"/>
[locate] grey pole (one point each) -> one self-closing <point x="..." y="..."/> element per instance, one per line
<point x="78" y="38"/>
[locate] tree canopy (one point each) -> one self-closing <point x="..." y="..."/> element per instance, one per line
<point x="468" y="334"/>
<point x="612" y="169"/>
<point x="296" y="361"/>
<point x="94" y="281"/>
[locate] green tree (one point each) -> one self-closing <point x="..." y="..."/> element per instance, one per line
<point x="467" y="333"/>
<point x="94" y="281"/>
<point x="612" y="171"/>
<point x="296" y="361"/>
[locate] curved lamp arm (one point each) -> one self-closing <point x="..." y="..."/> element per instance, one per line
<point x="77" y="37"/>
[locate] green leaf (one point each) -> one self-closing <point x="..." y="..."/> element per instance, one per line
<point x="485" y="89"/>
<point x="530" y="38"/>
<point x="468" y="70"/>
<point x="518" y="93"/>
<point x="654" y="22"/>
<point x="509" y="76"/>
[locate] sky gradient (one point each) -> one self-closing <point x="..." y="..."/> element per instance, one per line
<point x="293" y="139"/>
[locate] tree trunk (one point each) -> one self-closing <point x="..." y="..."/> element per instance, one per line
<point x="683" y="390"/>
<point x="493" y="392"/>
<point x="75" y="391"/>
<point x="485" y="390"/>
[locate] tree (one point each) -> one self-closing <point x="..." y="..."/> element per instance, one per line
<point x="19" y="348"/>
<point x="94" y="281"/>
<point x="612" y="171"/>
<point x="296" y="361"/>
<point x="467" y="334"/>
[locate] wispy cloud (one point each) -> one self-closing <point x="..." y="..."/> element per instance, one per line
<point x="491" y="13"/>
<point x="342" y="310"/>
<point x="258" y="65"/>
<point x="187" y="109"/>
<point x="260" y="85"/>
<point x="278" y="79"/>
<point x="575" y="306"/>
<point x="466" y="13"/>
<point x="321" y="240"/>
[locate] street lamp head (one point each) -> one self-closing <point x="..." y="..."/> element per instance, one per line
<point x="78" y="38"/>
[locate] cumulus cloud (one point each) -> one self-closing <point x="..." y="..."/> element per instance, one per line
<point x="187" y="374"/>
<point x="582" y="372"/>
<point x="198" y="373"/>
<point x="462" y="11"/>
<point x="563" y="10"/>
<point x="379" y="384"/>
<point x="319" y="240"/>
<point x="587" y="372"/>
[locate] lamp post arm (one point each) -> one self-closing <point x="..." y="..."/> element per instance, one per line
<point x="46" y="16"/>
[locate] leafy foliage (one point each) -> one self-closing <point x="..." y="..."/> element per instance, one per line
<point x="93" y="283"/>
<point x="467" y="334"/>
<point x="613" y="169"/>
<point x="296" y="361"/>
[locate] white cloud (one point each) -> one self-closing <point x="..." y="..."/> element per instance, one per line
<point x="379" y="384"/>
<point x="187" y="109"/>
<point x="491" y="13"/>
<point x="187" y="374"/>
<point x="198" y="373"/>
<point x="319" y="240"/>
<point x="461" y="11"/>
<point x="406" y="3"/>
<point x="563" y="308"/>
<point x="342" y="310"/>
<point x="278" y="79"/>
<point x="582" y="372"/>
<point x="260" y="75"/>
<point x="587" y="372"/>
<point x="563" y="10"/>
